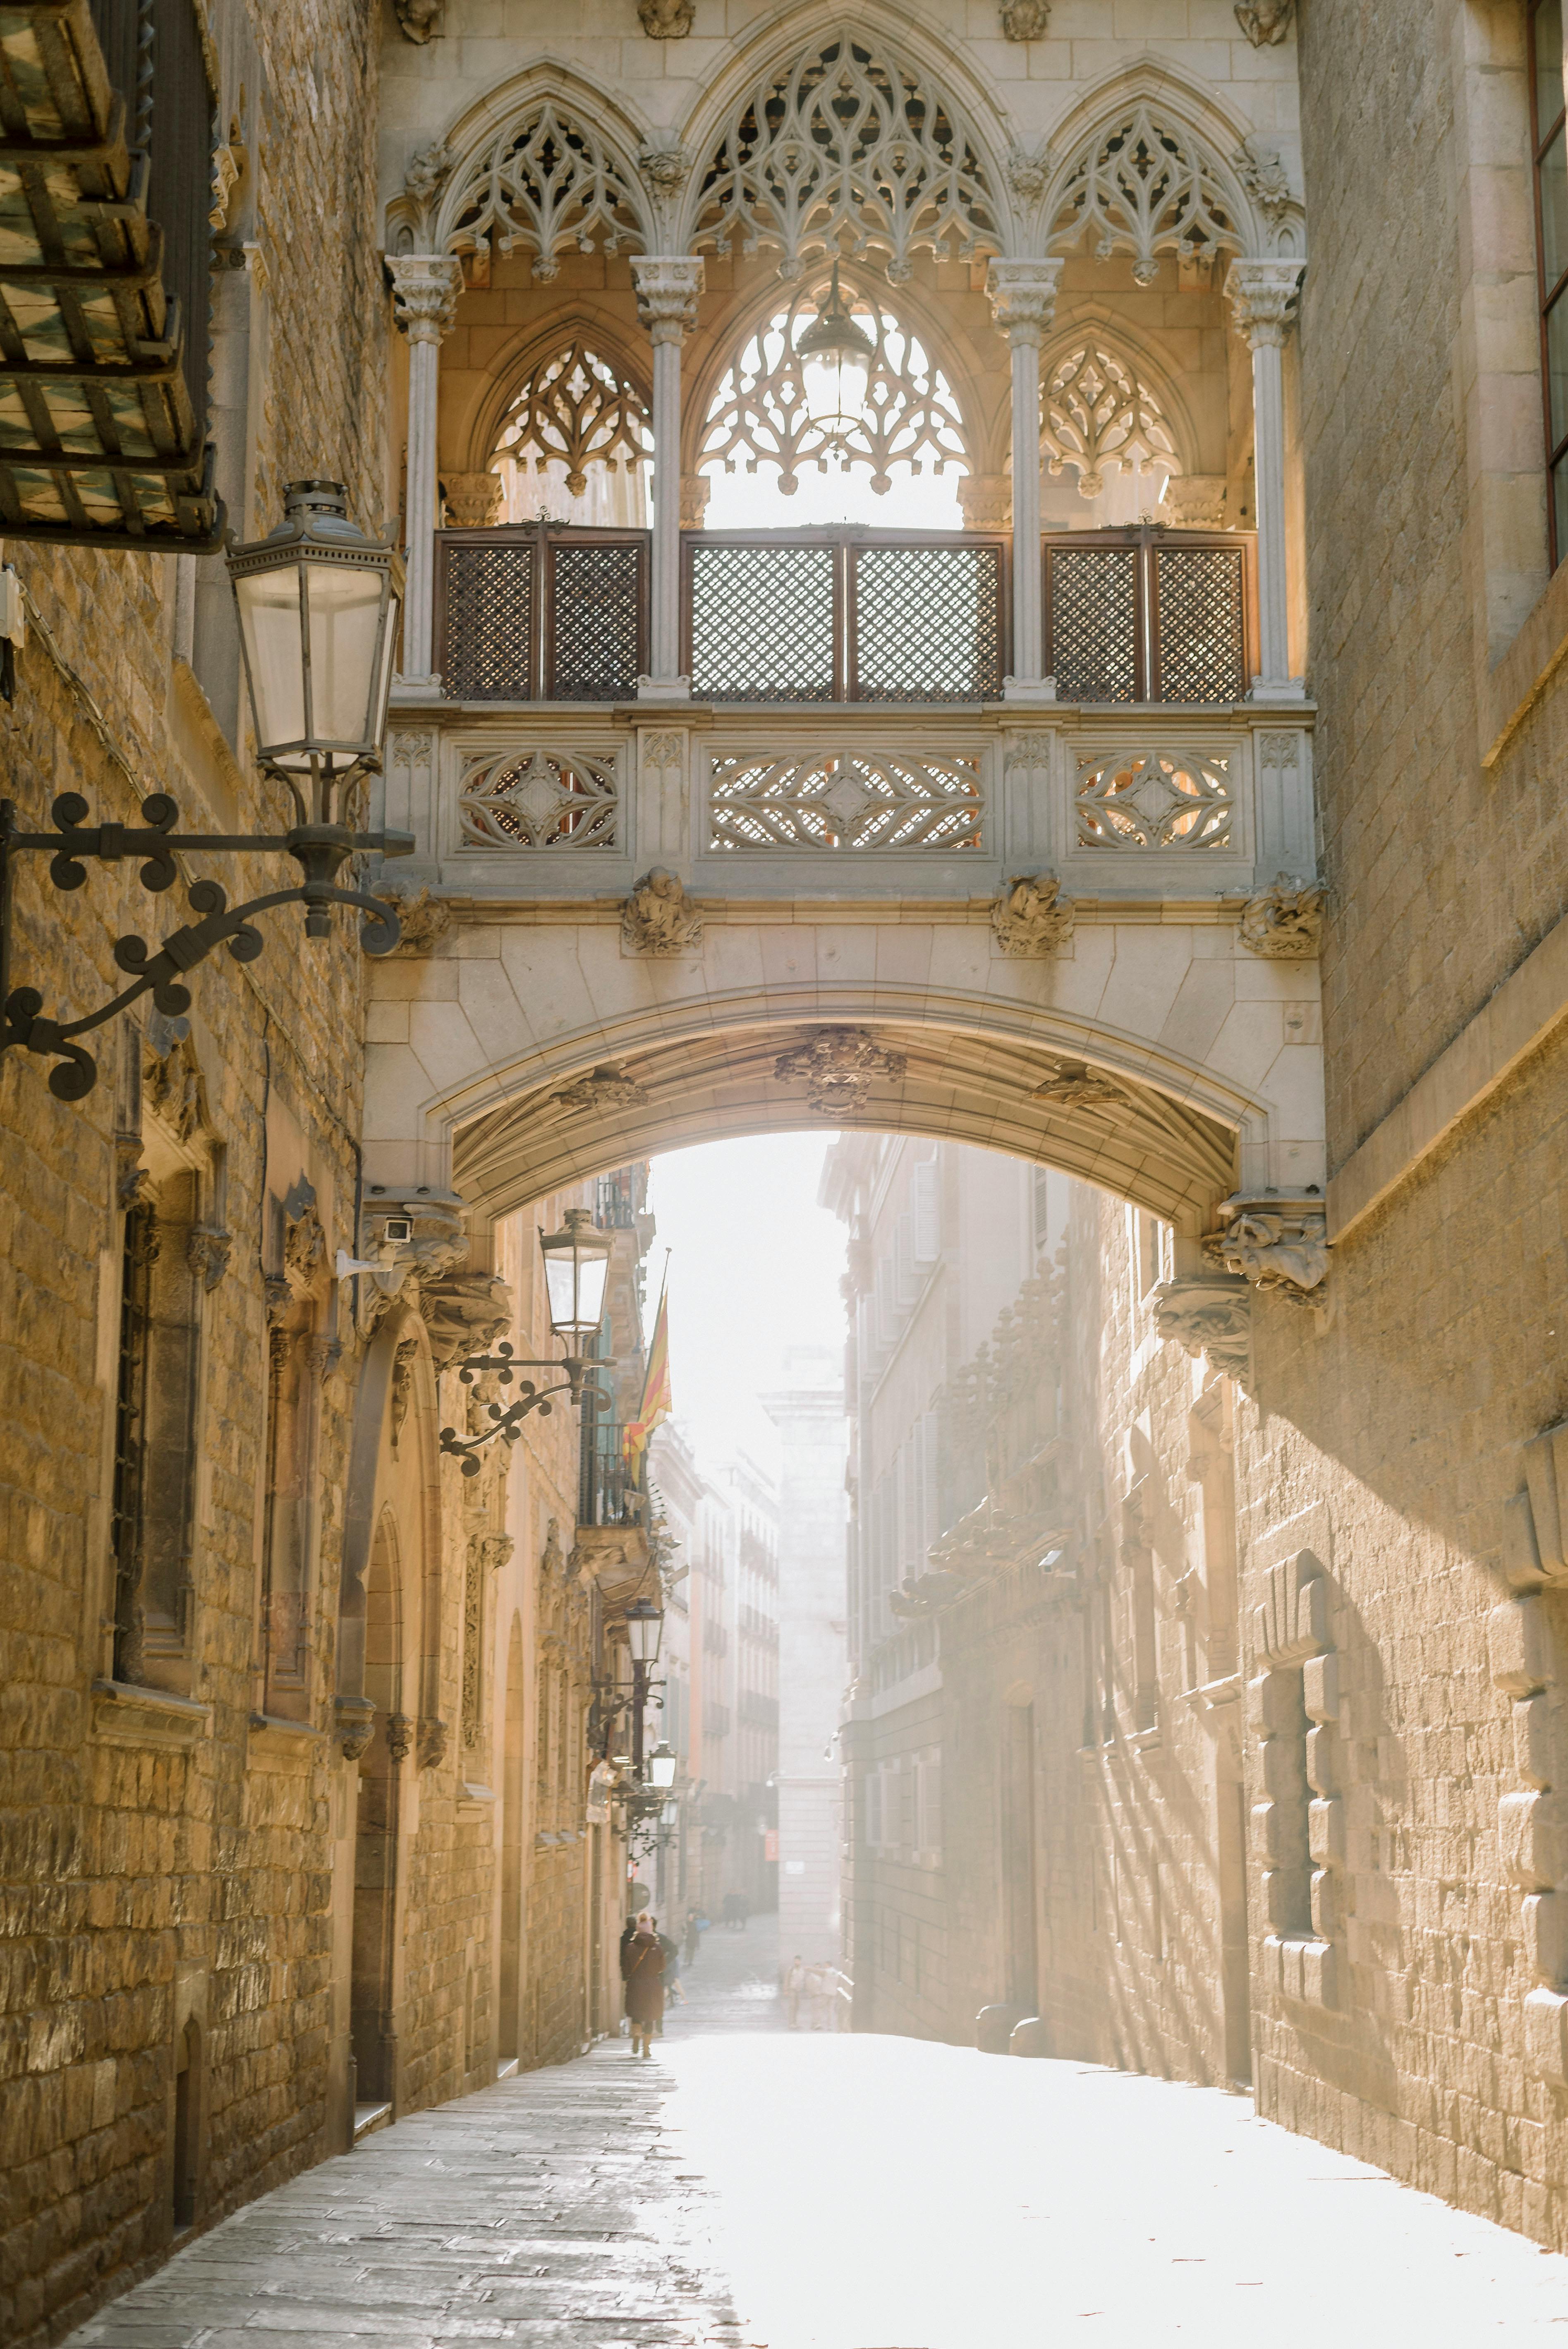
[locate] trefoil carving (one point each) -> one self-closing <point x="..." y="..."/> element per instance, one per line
<point x="1146" y="187"/>
<point x="1155" y="798"/>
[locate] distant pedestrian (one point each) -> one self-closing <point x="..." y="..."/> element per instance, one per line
<point x="692" y="1937"/>
<point x="820" y="1987"/>
<point x="794" y="1989"/>
<point x="672" y="1949"/>
<point x="643" y="1971"/>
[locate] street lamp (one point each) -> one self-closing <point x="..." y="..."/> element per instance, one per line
<point x="661" y="1768"/>
<point x="645" y="1625"/>
<point x="317" y="606"/>
<point x="577" y="1266"/>
<point x="835" y="358"/>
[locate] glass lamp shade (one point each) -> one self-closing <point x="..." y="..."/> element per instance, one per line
<point x="318" y="607"/>
<point x="835" y="358"/>
<point x="644" y="1623"/>
<point x="662" y="1771"/>
<point x="577" y="1266"/>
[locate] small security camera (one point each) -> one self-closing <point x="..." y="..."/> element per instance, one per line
<point x="398" y="1228"/>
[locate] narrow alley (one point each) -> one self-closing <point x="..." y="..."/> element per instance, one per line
<point x="774" y="2190"/>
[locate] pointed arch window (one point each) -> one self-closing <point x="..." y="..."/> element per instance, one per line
<point x="848" y="151"/>
<point x="576" y="443"/>
<point x="544" y="184"/>
<point x="758" y="420"/>
<point x="1101" y="423"/>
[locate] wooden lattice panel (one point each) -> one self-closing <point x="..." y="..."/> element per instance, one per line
<point x="596" y="608"/>
<point x="486" y="656"/>
<point x="1199" y="594"/>
<point x="763" y="623"/>
<point x="1093" y="622"/>
<point x="926" y="623"/>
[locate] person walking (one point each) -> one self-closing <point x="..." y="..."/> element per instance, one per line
<point x="672" y="1949"/>
<point x="643" y="1971"/>
<point x="794" y="1988"/>
<point x="693" y="1936"/>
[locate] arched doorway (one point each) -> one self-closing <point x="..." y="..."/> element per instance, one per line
<point x="373" y="2017"/>
<point x="509" y="2033"/>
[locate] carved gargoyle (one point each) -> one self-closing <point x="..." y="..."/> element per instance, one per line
<point x="420" y="20"/>
<point x="657" y="918"/>
<point x="666" y="20"/>
<point x="421" y="920"/>
<point x="1031" y="918"/>
<point x="1265" y="22"/>
<point x="464" y="1312"/>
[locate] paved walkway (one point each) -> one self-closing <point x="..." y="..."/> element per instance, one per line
<point x="769" y="2190"/>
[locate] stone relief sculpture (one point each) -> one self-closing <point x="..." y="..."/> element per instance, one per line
<point x="666" y="20"/>
<point x="838" y="1065"/>
<point x="1261" y="169"/>
<point x="1073" y="1084"/>
<point x="1031" y="918"/>
<point x="420" y="20"/>
<point x="1026" y="20"/>
<point x="605" y="1087"/>
<point x="1265" y="22"/>
<point x="464" y="1312"/>
<point x="1208" y="1314"/>
<point x="1285" y="924"/>
<point x="658" y="918"/>
<point x="421" y="920"/>
<point x="1277" y="1242"/>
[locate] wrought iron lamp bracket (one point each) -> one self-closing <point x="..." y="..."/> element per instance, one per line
<point x="507" y="1421"/>
<point x="319" y="850"/>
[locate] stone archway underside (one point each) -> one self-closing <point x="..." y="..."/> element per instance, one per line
<point x="1124" y="1136"/>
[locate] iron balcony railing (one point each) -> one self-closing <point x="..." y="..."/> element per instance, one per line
<point x="609" y="1491"/>
<point x="550" y="613"/>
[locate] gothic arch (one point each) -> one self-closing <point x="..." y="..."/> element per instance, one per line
<point x="435" y="208"/>
<point x="968" y="211"/>
<point x="1100" y="322"/>
<point x="534" y="344"/>
<point x="1223" y="186"/>
<point x="909" y="302"/>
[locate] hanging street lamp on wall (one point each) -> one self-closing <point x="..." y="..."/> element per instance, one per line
<point x="318" y="605"/>
<point x="662" y="1770"/>
<point x="835" y="356"/>
<point x="576" y="1268"/>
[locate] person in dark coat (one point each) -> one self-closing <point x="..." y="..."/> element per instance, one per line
<point x="643" y="1971"/>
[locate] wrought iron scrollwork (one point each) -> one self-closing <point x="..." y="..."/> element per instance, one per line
<point x="506" y="1420"/>
<point x="319" y="850"/>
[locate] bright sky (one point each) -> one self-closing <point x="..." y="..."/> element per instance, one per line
<point x="755" y="1269"/>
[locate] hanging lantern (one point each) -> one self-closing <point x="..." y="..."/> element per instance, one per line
<point x="835" y="356"/>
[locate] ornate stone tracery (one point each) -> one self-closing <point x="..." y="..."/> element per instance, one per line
<point x="1147" y="186"/>
<point x="1100" y="418"/>
<point x="854" y="151"/>
<point x="576" y="409"/>
<point x="551" y="799"/>
<point x="1150" y="799"/>
<point x="838" y="1065"/>
<point x="759" y="416"/>
<point x="543" y="184"/>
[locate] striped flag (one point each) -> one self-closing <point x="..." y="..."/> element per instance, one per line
<point x="657" y="1403"/>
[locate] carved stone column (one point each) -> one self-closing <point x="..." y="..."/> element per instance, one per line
<point x="425" y="288"/>
<point x="1023" y="297"/>
<point x="668" y="287"/>
<point x="1263" y="296"/>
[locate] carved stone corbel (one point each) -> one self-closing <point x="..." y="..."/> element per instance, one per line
<point x="419" y="20"/>
<point x="666" y="20"/>
<point x="207" y="1251"/>
<point x="605" y="1087"/>
<point x="464" y="1312"/>
<point x="1208" y="1314"/>
<point x="354" y="1726"/>
<point x="1031" y="918"/>
<point x="421" y="920"/>
<point x="1265" y="23"/>
<point x="658" y="917"/>
<point x="1026" y="20"/>
<point x="433" y="1738"/>
<point x="399" y="1736"/>
<point x="1285" y="924"/>
<point x="1276" y="1240"/>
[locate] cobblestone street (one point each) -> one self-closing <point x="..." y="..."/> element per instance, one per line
<point x="776" y="2192"/>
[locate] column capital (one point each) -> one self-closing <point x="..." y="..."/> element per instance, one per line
<point x="669" y="286"/>
<point x="1023" y="296"/>
<point x="1263" y="296"/>
<point x="425" y="289"/>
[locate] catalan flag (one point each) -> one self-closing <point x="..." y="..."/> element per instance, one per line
<point x="656" y="1405"/>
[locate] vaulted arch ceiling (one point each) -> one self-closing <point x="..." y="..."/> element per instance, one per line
<point x="990" y="1089"/>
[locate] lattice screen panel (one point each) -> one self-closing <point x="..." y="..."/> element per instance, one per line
<point x="846" y="800"/>
<point x="595" y="613"/>
<point x="489" y="623"/>
<point x="1201" y="634"/>
<point x="762" y="623"/>
<point x="1092" y="621"/>
<point x="927" y="622"/>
